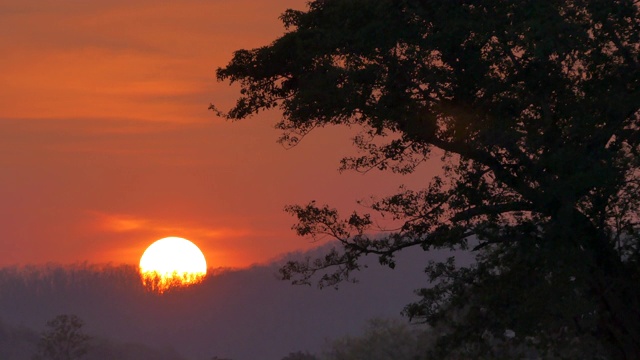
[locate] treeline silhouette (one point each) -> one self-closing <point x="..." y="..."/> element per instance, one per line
<point x="54" y="277"/>
<point x="237" y="314"/>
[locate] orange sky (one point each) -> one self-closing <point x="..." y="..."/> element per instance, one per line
<point x="106" y="143"/>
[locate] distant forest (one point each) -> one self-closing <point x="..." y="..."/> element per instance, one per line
<point x="218" y="318"/>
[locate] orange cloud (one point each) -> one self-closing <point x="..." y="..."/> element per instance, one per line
<point x="129" y="223"/>
<point x="120" y="223"/>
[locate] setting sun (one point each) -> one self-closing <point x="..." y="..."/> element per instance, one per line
<point x="172" y="262"/>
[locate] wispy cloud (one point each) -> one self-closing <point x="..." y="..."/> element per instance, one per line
<point x="120" y="223"/>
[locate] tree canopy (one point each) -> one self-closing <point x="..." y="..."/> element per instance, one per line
<point x="382" y="339"/>
<point x="63" y="339"/>
<point x="536" y="108"/>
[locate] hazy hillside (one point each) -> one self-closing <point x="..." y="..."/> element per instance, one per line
<point x="19" y="343"/>
<point x="241" y="314"/>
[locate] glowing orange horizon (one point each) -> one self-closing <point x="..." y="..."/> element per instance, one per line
<point x="172" y="262"/>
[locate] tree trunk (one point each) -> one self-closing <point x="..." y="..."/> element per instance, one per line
<point x="613" y="288"/>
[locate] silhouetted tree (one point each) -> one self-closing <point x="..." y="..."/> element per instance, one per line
<point x="534" y="106"/>
<point x="63" y="339"/>
<point x="383" y="339"/>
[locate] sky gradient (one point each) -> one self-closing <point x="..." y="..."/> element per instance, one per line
<point x="107" y="143"/>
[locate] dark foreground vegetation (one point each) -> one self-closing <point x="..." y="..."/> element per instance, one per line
<point x="534" y="107"/>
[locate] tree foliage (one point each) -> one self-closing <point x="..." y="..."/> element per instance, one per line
<point x="536" y="108"/>
<point x="382" y="339"/>
<point x="63" y="339"/>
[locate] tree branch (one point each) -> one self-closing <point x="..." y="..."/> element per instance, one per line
<point x="492" y="210"/>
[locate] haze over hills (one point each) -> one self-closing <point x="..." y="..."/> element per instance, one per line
<point x="237" y="314"/>
<point x="20" y="343"/>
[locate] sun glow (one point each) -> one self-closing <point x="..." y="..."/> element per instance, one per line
<point x="172" y="262"/>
